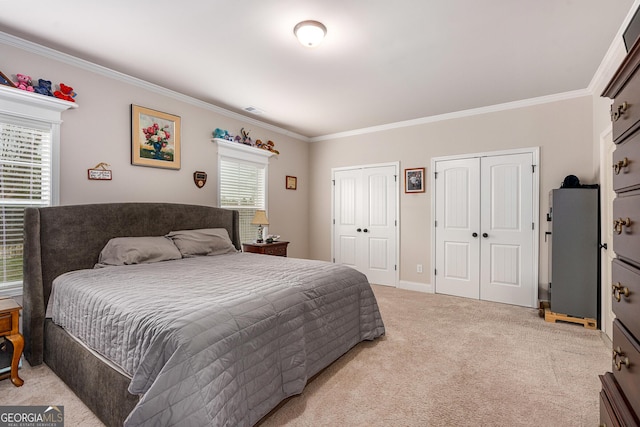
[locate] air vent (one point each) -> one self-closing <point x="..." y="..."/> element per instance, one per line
<point x="253" y="110"/>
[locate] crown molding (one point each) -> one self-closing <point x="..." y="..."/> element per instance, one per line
<point x="47" y="52"/>
<point x="611" y="60"/>
<point x="459" y="114"/>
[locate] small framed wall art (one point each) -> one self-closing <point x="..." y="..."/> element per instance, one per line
<point x="291" y="183"/>
<point x="155" y="138"/>
<point x="414" y="180"/>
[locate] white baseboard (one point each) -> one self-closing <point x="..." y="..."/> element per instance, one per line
<point x="415" y="286"/>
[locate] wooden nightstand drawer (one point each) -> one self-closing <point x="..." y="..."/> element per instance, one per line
<point x="275" y="248"/>
<point x="277" y="251"/>
<point x="5" y="322"/>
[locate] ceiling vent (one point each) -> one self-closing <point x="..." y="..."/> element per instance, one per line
<point x="253" y="110"/>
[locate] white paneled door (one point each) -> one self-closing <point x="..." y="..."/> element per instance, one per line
<point x="485" y="228"/>
<point x="364" y="232"/>
<point x="457" y="227"/>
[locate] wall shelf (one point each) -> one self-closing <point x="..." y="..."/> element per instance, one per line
<point x="237" y="147"/>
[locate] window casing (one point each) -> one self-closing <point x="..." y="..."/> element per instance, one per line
<point x="25" y="181"/>
<point x="242" y="183"/>
<point x="29" y="164"/>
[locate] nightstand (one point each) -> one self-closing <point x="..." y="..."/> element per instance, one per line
<point x="275" y="248"/>
<point x="9" y="321"/>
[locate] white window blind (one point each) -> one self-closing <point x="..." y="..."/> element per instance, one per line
<point x="243" y="188"/>
<point x="25" y="180"/>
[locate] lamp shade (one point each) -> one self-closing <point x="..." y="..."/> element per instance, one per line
<point x="310" y="33"/>
<point x="260" y="218"/>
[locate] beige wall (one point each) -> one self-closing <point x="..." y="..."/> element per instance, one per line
<point x="562" y="130"/>
<point x="566" y="131"/>
<point x="99" y="131"/>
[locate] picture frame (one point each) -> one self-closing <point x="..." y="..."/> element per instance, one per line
<point x="6" y="81"/>
<point x="291" y="183"/>
<point x="155" y="138"/>
<point x="414" y="180"/>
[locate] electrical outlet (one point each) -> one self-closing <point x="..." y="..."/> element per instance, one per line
<point x="419" y="268"/>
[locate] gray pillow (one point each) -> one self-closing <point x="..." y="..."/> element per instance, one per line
<point x="204" y="241"/>
<point x="137" y="250"/>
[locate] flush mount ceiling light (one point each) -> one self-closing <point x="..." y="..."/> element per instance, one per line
<point x="310" y="33"/>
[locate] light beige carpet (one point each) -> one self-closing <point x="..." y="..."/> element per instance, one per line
<point x="444" y="361"/>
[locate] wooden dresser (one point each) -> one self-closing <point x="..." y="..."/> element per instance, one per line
<point x="620" y="395"/>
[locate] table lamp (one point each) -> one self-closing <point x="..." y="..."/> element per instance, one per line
<point x="260" y="219"/>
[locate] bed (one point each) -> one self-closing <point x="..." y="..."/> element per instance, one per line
<point x="225" y="338"/>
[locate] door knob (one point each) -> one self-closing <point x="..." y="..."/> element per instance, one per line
<point x="359" y="230"/>
<point x="485" y="235"/>
<point x="475" y="234"/>
<point x="365" y="230"/>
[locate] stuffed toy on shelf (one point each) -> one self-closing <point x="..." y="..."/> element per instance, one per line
<point x="24" y="82"/>
<point x="65" y="92"/>
<point x="43" y="88"/>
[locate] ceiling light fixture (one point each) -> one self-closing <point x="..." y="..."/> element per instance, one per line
<point x="310" y="33"/>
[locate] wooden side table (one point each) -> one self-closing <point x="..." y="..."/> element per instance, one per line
<point x="275" y="248"/>
<point x="9" y="321"/>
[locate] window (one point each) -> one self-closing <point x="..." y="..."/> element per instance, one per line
<point x="25" y="180"/>
<point x="242" y="181"/>
<point x="242" y="188"/>
<point x="28" y="141"/>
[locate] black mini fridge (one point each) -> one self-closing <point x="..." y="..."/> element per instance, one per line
<point x="574" y="252"/>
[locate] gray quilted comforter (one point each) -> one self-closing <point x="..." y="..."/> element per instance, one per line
<point x="219" y="340"/>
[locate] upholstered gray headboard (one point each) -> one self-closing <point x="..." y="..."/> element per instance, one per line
<point x="66" y="238"/>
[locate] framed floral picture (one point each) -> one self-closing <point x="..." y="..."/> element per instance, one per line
<point x="5" y="81"/>
<point x="155" y="138"/>
<point x="414" y="180"/>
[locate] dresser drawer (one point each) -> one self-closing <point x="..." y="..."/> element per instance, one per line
<point x="607" y="416"/>
<point x="625" y="110"/>
<point x="626" y="227"/>
<point x="614" y="409"/>
<point x="626" y="364"/>
<point x="626" y="164"/>
<point x="625" y="287"/>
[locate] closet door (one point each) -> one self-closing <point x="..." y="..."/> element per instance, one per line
<point x="483" y="229"/>
<point x="365" y="221"/>
<point x="506" y="251"/>
<point x="458" y="227"/>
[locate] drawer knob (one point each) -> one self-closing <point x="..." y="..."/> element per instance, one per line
<point x="619" y="223"/>
<point x="618" y="112"/>
<point x="624" y="360"/>
<point x="619" y="290"/>
<point x="617" y="167"/>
